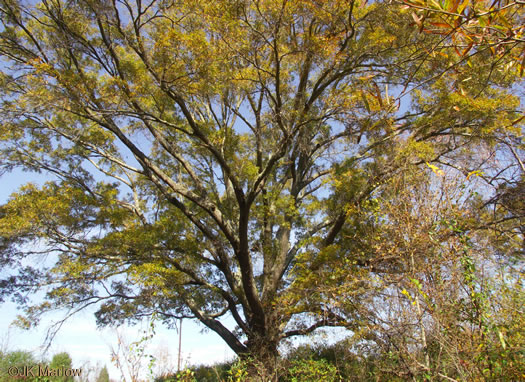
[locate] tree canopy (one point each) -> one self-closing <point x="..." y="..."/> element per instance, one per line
<point x="250" y="160"/>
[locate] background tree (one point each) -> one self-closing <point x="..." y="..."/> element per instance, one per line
<point x="446" y="311"/>
<point x="103" y="376"/>
<point x="61" y="361"/>
<point x="18" y="359"/>
<point x="225" y="159"/>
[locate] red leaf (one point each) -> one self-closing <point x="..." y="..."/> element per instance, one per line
<point x="469" y="47"/>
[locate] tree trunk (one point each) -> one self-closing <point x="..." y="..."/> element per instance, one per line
<point x="262" y="358"/>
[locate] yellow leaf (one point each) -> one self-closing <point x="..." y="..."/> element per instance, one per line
<point x="475" y="172"/>
<point x="436" y="170"/>
<point x="502" y="340"/>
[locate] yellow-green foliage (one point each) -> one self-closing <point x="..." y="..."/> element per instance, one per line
<point x="291" y="165"/>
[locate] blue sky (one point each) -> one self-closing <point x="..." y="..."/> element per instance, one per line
<point x="80" y="337"/>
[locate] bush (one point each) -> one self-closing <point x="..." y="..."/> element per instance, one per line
<point x="312" y="370"/>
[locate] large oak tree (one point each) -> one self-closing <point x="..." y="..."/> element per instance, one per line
<point x="222" y="160"/>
